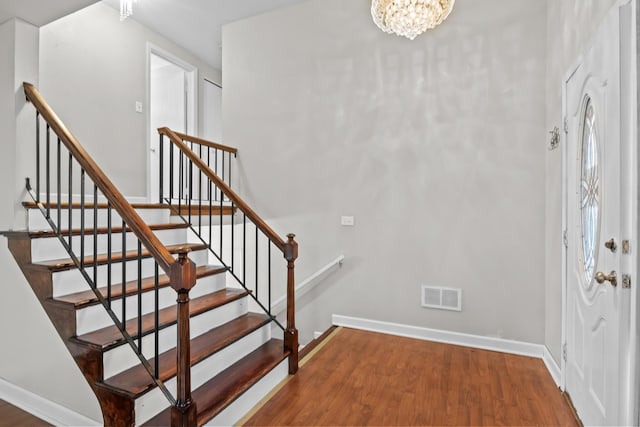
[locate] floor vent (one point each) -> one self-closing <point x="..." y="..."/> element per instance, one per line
<point x="442" y="298"/>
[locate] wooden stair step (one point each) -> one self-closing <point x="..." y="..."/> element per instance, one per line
<point x="86" y="298"/>
<point x="204" y="210"/>
<point x="30" y="204"/>
<point x="219" y="392"/>
<point x="110" y="336"/>
<point x="136" y="381"/>
<point x="67" y="263"/>
<point x="103" y="230"/>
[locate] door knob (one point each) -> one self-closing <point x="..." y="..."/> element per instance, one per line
<point x="611" y="278"/>
<point x="611" y="245"/>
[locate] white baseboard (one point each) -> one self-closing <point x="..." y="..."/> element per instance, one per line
<point x="42" y="408"/>
<point x="447" y="337"/>
<point x="552" y="367"/>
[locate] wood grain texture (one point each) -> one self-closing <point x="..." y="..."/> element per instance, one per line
<point x="12" y="416"/>
<point x="204" y="142"/>
<point x="363" y="378"/>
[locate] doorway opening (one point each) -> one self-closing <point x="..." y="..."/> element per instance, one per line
<point x="172" y="100"/>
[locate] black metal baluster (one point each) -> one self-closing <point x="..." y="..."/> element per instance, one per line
<point x="244" y="247"/>
<point x="48" y="171"/>
<point x="109" y="231"/>
<point x="221" y="227"/>
<point x="215" y="169"/>
<point x="209" y="165"/>
<point x="269" y="271"/>
<point x="190" y="185"/>
<point x="161" y="169"/>
<point x="38" y="157"/>
<point x="256" y="261"/>
<point x="59" y="186"/>
<point x="180" y="186"/>
<point x="82" y="217"/>
<point x="156" y="321"/>
<point x="70" y="204"/>
<point x="171" y="148"/>
<point x="221" y="193"/>
<point x="200" y="194"/>
<point x="233" y="241"/>
<point x="123" y="285"/>
<point x="210" y="216"/>
<point x="139" y="297"/>
<point x="95" y="235"/>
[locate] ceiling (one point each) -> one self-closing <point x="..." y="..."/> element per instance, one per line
<point x="40" y="12"/>
<point x="197" y="24"/>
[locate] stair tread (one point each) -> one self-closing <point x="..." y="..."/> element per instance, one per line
<point x="87" y="298"/>
<point x="137" y="381"/>
<point x="220" y="391"/>
<point x="111" y="336"/>
<point x="67" y="263"/>
<point x="38" y="234"/>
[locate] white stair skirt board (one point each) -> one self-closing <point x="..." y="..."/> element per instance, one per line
<point x="45" y="409"/>
<point x="456" y="338"/>
<point x="243" y="404"/>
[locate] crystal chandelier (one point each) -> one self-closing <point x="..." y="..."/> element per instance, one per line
<point x="126" y="9"/>
<point x="409" y="18"/>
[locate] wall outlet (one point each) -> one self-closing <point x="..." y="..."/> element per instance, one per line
<point x="347" y="221"/>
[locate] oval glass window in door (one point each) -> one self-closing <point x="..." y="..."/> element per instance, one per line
<point x="589" y="191"/>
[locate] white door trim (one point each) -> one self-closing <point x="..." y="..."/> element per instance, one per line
<point x="192" y="101"/>
<point x="631" y="407"/>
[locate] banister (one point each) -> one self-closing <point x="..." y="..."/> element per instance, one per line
<point x="226" y="190"/>
<point x="206" y="143"/>
<point x="117" y="200"/>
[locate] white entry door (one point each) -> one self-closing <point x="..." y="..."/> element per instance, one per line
<point x="596" y="303"/>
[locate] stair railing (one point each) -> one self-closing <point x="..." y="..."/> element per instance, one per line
<point x="249" y="237"/>
<point x="78" y="167"/>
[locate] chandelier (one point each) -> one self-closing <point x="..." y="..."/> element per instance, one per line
<point x="126" y="9"/>
<point x="409" y="18"/>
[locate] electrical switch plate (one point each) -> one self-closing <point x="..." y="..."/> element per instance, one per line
<point x="138" y="107"/>
<point x="347" y="221"/>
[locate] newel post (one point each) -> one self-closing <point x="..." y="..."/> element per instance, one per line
<point x="183" y="278"/>
<point x="291" y="333"/>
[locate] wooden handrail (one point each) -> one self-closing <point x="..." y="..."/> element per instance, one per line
<point x="224" y="187"/>
<point x="206" y="143"/>
<point x="142" y="231"/>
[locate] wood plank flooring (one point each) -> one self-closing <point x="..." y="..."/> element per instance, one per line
<point x="363" y="378"/>
<point x="11" y="416"/>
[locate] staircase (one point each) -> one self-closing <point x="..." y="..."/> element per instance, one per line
<point x="108" y="272"/>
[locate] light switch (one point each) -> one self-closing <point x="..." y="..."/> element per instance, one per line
<point x="138" y="107"/>
<point x="347" y="221"/>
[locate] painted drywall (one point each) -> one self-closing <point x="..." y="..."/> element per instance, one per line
<point x="568" y="35"/>
<point x="92" y="72"/>
<point x="33" y="356"/>
<point x="436" y="146"/>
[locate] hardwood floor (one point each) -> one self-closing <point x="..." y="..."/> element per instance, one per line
<point x="363" y="378"/>
<point x="10" y="416"/>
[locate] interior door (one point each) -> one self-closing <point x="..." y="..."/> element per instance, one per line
<point x="594" y="292"/>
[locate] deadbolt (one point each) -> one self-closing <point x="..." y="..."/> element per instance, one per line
<point x="611" y="278"/>
<point x="611" y="245"/>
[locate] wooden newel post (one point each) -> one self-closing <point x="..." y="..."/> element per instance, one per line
<point x="291" y="333"/>
<point x="183" y="278"/>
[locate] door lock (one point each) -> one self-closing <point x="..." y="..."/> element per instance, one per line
<point x="611" y="278"/>
<point x="611" y="245"/>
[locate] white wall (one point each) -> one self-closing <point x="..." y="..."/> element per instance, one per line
<point x="436" y="146"/>
<point x="568" y="32"/>
<point x="93" y="70"/>
<point x="33" y="357"/>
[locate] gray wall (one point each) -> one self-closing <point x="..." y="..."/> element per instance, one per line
<point x="568" y="32"/>
<point x="436" y="146"/>
<point x="32" y="355"/>
<point x="93" y="70"/>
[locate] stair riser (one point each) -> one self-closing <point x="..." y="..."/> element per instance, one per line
<point x="71" y="281"/>
<point x="95" y="317"/>
<point x="44" y="249"/>
<point x="149" y="404"/>
<point x="233" y="413"/>
<point x="122" y="357"/>
<point x="37" y="220"/>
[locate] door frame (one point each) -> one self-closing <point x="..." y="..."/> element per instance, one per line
<point x="192" y="101"/>
<point x="629" y="83"/>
